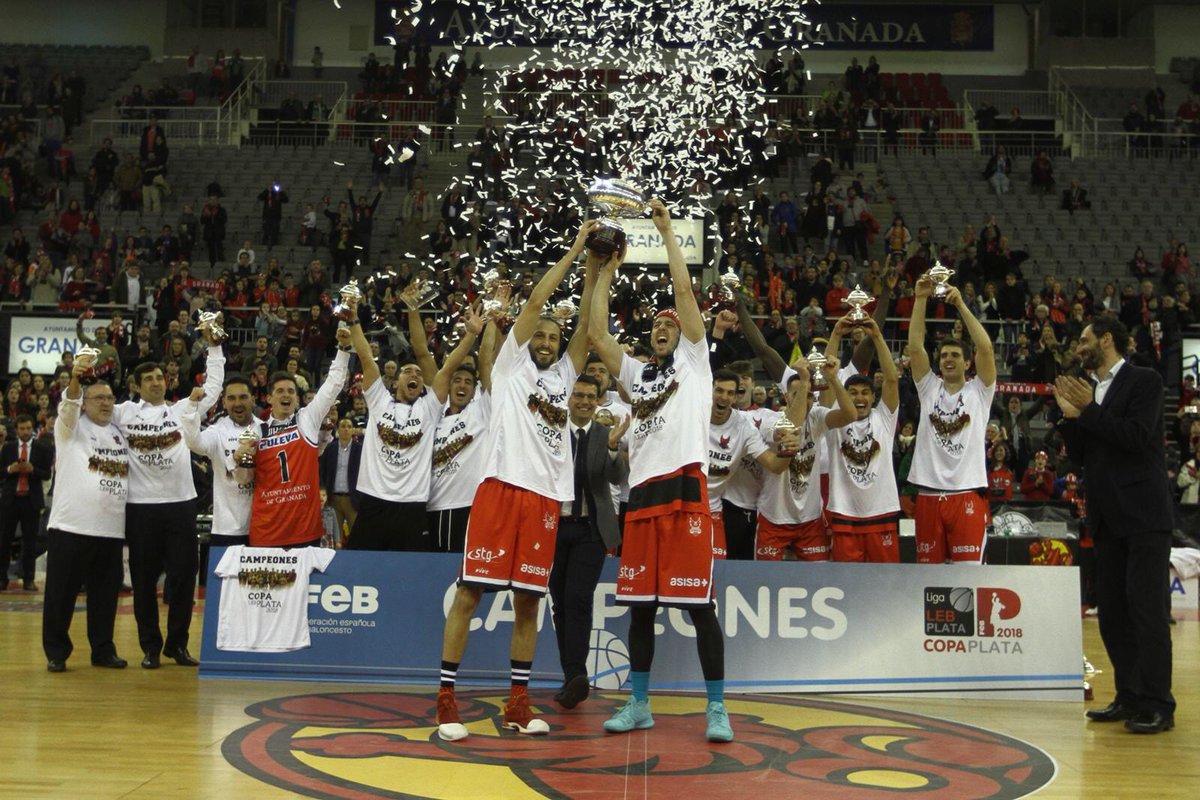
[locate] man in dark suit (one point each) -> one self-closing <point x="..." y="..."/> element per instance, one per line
<point x="1075" y="197"/>
<point x="1115" y="431"/>
<point x="24" y="464"/>
<point x="339" y="472"/>
<point x="587" y="530"/>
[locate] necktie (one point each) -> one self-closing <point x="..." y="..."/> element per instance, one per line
<point x="579" y="452"/>
<point x="23" y="478"/>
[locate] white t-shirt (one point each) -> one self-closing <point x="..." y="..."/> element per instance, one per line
<point x="264" y="597"/>
<point x="671" y="412"/>
<point x="398" y="446"/>
<point x="730" y="446"/>
<point x="794" y="496"/>
<point x="745" y="484"/>
<point x="231" y="499"/>
<point x="527" y="445"/>
<point x="862" y="481"/>
<point x="457" y="454"/>
<point x="160" y="465"/>
<point x="91" y="475"/>
<point x="614" y="404"/>
<point x="949" y="454"/>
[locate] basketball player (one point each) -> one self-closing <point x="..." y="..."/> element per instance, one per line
<point x="160" y="518"/>
<point x="286" y="510"/>
<point x="231" y="497"/>
<point x="733" y="439"/>
<point x="458" y="448"/>
<point x="394" y="475"/>
<point x="528" y="472"/>
<point x="667" y="550"/>
<point x="949" y="459"/>
<point x="790" y="512"/>
<point x="863" y="504"/>
<point x="734" y="515"/>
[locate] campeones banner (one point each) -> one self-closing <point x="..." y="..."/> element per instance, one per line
<point x="951" y="630"/>
<point x="855" y="27"/>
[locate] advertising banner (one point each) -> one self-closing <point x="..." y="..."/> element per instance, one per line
<point x="39" y="342"/>
<point x="645" y="246"/>
<point x="915" y="28"/>
<point x="789" y="627"/>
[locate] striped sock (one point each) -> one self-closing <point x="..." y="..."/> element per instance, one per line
<point x="715" y="691"/>
<point x="639" y="684"/>
<point x="520" y="675"/>
<point x="449" y="674"/>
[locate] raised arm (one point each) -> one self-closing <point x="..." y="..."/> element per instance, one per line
<point x="891" y="377"/>
<point x="985" y="355"/>
<point x="362" y="348"/>
<point x="691" y="324"/>
<point x="486" y="356"/>
<point x="214" y="376"/>
<point x="420" y="344"/>
<point x="310" y="418"/>
<point x="71" y="404"/>
<point x="577" y="348"/>
<point x="844" y="414"/>
<point x="917" y="356"/>
<point x="454" y="359"/>
<point x="80" y="335"/>
<point x="772" y="362"/>
<point x="865" y="350"/>
<point x="599" y="339"/>
<point x="523" y="328"/>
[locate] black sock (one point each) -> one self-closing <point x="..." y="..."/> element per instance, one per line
<point x="449" y="674"/>
<point x="520" y="673"/>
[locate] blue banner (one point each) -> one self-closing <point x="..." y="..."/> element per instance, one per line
<point x="790" y="627"/>
<point x="914" y="28"/>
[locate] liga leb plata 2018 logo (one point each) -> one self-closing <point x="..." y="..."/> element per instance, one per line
<point x="385" y="744"/>
<point x="963" y="611"/>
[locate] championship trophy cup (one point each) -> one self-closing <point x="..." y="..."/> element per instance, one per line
<point x="785" y="431"/>
<point x="614" y="199"/>
<point x="724" y="295"/>
<point x="210" y="324"/>
<point x="247" y="437"/>
<point x="816" y="359"/>
<point x="88" y="357"/>
<point x="856" y="300"/>
<point x="564" y="310"/>
<point x="497" y="297"/>
<point x="422" y="291"/>
<point x="349" y="293"/>
<point x="940" y="274"/>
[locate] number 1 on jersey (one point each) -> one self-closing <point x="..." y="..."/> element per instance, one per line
<point x="284" y="477"/>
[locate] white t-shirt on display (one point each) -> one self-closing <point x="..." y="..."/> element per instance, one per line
<point x="730" y="445"/>
<point x="264" y="597"/>
<point x="398" y="445"/>
<point x="457" y="454"/>
<point x="950" y="454"/>
<point x="862" y="480"/>
<point x="527" y="445"/>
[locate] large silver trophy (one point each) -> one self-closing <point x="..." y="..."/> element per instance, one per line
<point x="350" y="294"/>
<point x="564" y="311"/>
<point x="421" y="291"/>
<point x="210" y="324"/>
<point x="856" y="300"/>
<point x="613" y="199"/>
<point x="940" y="274"/>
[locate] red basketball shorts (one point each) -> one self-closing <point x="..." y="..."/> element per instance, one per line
<point x="951" y="526"/>
<point x="808" y="541"/>
<point x="873" y="540"/>
<point x="720" y="550"/>
<point x="667" y="560"/>
<point x="510" y="539"/>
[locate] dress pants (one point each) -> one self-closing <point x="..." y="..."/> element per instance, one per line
<point x="72" y="561"/>
<point x="1133" y="594"/>
<point x="741" y="526"/>
<point x="162" y="538"/>
<point x="21" y="511"/>
<point x="578" y="559"/>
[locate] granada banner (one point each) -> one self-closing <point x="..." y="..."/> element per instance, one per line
<point x="952" y="630"/>
<point x="1011" y="387"/>
<point x="39" y="342"/>
<point x="914" y="28"/>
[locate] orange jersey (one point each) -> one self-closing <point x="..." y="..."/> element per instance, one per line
<point x="287" y="500"/>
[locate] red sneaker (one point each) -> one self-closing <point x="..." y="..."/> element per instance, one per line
<point x="519" y="717"/>
<point x="450" y="727"/>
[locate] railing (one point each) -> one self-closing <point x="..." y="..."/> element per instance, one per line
<point x="1079" y="126"/>
<point x="179" y="112"/>
<point x="1138" y="144"/>
<point x="128" y="132"/>
<point x="1032" y="104"/>
<point x="271" y="93"/>
<point x="234" y="114"/>
<point x="344" y="134"/>
<point x="35" y="124"/>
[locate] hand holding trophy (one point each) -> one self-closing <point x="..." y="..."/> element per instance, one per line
<point x="856" y="300"/>
<point x="613" y="199"/>
<point x="247" y="448"/>
<point x="351" y="296"/>
<point x="939" y="274"/>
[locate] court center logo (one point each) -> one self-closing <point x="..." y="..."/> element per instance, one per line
<point x="966" y="616"/>
<point x="385" y="744"/>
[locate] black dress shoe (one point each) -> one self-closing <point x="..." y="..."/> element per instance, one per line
<point x="111" y="662"/>
<point x="56" y="665"/>
<point x="1150" y="722"/>
<point x="1113" y="712"/>
<point x="574" y="692"/>
<point x="182" y="657"/>
<point x="150" y="661"/>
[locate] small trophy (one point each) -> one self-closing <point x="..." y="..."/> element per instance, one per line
<point x="784" y="429"/>
<point x="247" y="437"/>
<point x="816" y="360"/>
<point x="422" y="291"/>
<point x="613" y="199"/>
<point x="89" y="356"/>
<point x="350" y="293"/>
<point x="725" y="296"/>
<point x="497" y="297"/>
<point x="939" y="274"/>
<point x="856" y="300"/>
<point x="210" y="326"/>
<point x="564" y="310"/>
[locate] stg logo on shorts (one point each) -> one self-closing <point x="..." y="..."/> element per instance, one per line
<point x="485" y="555"/>
<point x="629" y="573"/>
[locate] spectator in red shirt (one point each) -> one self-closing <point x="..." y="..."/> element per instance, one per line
<point x="1038" y="483"/>
<point x="834" y="297"/>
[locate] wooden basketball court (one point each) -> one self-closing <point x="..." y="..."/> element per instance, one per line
<point x="103" y="734"/>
